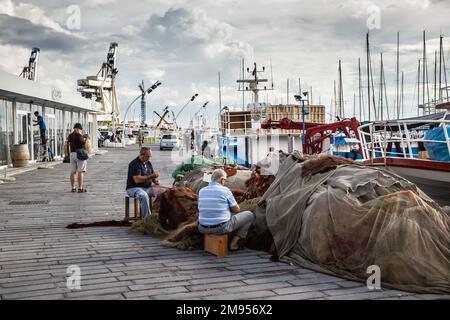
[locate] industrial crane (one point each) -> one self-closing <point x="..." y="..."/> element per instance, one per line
<point x="143" y="104"/>
<point x="30" y="72"/>
<point x="102" y="86"/>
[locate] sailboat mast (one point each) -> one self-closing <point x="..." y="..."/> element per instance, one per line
<point x="398" y="69"/>
<point x="440" y="68"/>
<point x="341" y="93"/>
<point x="368" y="73"/>
<point x="380" y="111"/>
<point x="243" y="86"/>
<point x="359" y="88"/>
<point x="435" y="76"/>
<point x="402" y="96"/>
<point x="287" y="93"/>
<point x="423" y="73"/>
<point x="418" y="88"/>
<point x="335" y="102"/>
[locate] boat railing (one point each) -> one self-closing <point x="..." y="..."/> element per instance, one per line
<point x="378" y="139"/>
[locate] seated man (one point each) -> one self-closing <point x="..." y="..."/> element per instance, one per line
<point x="140" y="178"/>
<point x="215" y="203"/>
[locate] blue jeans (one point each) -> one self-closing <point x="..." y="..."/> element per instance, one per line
<point x="144" y="197"/>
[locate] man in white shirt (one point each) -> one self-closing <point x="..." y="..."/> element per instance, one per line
<point x="215" y="204"/>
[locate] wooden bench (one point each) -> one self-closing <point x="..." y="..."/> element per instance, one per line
<point x="217" y="245"/>
<point x="137" y="209"/>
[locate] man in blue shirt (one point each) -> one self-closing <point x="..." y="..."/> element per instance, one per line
<point x="140" y="178"/>
<point x="42" y="127"/>
<point x="215" y="205"/>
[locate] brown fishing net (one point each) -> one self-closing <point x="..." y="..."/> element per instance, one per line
<point x="343" y="220"/>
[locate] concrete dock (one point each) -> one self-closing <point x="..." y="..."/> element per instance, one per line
<point x="36" y="249"/>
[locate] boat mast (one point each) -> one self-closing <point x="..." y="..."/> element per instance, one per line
<point x="341" y="93"/>
<point x="385" y="92"/>
<point x="423" y="73"/>
<point x="435" y="77"/>
<point x="402" y="97"/>
<point x="220" y="95"/>
<point x="368" y="73"/>
<point x="335" y="102"/>
<point x="243" y="86"/>
<point x="359" y="88"/>
<point x="418" y="89"/>
<point x="398" y="69"/>
<point x="287" y="91"/>
<point x="380" y="104"/>
<point x="440" y="68"/>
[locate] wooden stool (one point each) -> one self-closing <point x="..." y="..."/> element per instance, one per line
<point x="217" y="245"/>
<point x="137" y="209"/>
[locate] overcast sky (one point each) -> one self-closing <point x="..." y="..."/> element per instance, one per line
<point x="184" y="44"/>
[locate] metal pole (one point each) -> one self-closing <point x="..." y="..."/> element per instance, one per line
<point x="303" y="123"/>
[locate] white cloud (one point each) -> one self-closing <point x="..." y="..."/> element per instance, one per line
<point x="185" y="43"/>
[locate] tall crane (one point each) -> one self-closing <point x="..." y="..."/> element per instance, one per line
<point x="30" y="71"/>
<point x="102" y="86"/>
<point x="143" y="104"/>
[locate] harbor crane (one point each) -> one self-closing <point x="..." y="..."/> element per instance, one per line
<point x="102" y="86"/>
<point x="143" y="103"/>
<point x="30" y="72"/>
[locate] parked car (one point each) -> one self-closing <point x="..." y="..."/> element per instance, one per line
<point x="169" y="141"/>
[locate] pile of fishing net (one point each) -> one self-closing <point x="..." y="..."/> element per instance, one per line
<point x="194" y="162"/>
<point x="334" y="216"/>
<point x="176" y="221"/>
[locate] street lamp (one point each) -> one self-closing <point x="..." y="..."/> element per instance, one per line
<point x="299" y="98"/>
<point x="190" y="100"/>
<point x="149" y="90"/>
<point x="200" y="109"/>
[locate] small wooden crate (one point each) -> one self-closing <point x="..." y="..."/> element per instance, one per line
<point x="217" y="245"/>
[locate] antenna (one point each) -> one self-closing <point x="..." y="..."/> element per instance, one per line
<point x="253" y="82"/>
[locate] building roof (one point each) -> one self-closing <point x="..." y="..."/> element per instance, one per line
<point x="27" y="91"/>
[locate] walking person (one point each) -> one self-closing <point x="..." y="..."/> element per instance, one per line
<point x="140" y="138"/>
<point x="78" y="167"/>
<point x="215" y="205"/>
<point x="140" y="178"/>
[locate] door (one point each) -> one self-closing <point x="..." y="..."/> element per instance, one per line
<point x="51" y="133"/>
<point x="24" y="130"/>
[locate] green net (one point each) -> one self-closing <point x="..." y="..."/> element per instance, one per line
<point x="192" y="163"/>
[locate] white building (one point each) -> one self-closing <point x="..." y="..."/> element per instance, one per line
<point x="20" y="98"/>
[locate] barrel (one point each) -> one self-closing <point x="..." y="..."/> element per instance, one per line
<point x="20" y="155"/>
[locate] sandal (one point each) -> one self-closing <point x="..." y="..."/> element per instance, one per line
<point x="82" y="190"/>
<point x="74" y="189"/>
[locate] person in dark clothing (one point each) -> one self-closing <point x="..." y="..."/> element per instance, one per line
<point x="140" y="178"/>
<point x="42" y="127"/>
<point x="192" y="139"/>
<point x="78" y="167"/>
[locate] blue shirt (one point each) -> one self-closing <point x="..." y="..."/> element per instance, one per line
<point x="214" y="202"/>
<point x="41" y="123"/>
<point x="138" y="168"/>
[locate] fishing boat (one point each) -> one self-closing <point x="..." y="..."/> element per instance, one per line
<point x="417" y="149"/>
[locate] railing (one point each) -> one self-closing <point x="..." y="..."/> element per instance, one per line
<point x="378" y="138"/>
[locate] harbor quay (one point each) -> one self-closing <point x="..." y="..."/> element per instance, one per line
<point x="39" y="256"/>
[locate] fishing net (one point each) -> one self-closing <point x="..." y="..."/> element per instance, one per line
<point x="192" y="163"/>
<point x="340" y="218"/>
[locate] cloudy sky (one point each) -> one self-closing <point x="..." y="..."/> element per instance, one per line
<point x="184" y="44"/>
